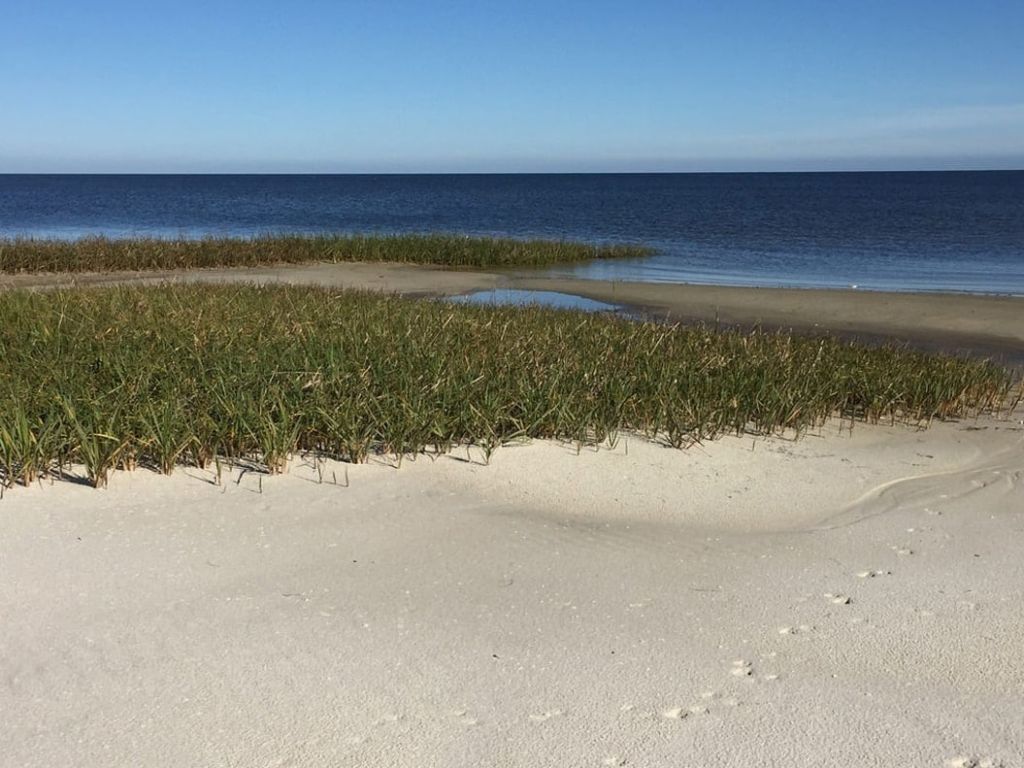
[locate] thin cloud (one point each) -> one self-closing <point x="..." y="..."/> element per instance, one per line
<point x="954" y="131"/>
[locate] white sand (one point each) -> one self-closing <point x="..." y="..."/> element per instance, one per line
<point x="844" y="600"/>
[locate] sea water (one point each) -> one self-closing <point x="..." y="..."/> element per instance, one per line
<point x="941" y="231"/>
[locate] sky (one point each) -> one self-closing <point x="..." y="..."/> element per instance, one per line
<point x="478" y="86"/>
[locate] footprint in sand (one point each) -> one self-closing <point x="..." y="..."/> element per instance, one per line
<point x="838" y="599"/>
<point x="741" y="668"/>
<point x="613" y="760"/>
<point x="974" y="762"/>
<point x="545" y="716"/>
<point x="676" y="713"/>
<point x="800" y="630"/>
<point x="872" y="574"/>
<point x="464" y="717"/>
<point x="902" y="551"/>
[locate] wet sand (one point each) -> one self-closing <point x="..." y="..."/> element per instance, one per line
<point x="988" y="325"/>
<point x="985" y="325"/>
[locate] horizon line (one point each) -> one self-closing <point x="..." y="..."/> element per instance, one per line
<point x="518" y="173"/>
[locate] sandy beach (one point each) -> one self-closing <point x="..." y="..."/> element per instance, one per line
<point x="851" y="598"/>
<point x="475" y="385"/>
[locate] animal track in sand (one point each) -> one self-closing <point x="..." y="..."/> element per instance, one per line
<point x="902" y="551"/>
<point x="613" y="760"/>
<point x="676" y="713"/>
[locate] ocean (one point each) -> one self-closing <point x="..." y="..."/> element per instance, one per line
<point x="940" y="231"/>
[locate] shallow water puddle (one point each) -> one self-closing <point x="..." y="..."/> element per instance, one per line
<point x="519" y="298"/>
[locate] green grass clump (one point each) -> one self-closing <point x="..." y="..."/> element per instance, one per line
<point x="171" y="375"/>
<point x="100" y="254"/>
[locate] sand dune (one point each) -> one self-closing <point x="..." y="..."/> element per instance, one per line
<point x="846" y="599"/>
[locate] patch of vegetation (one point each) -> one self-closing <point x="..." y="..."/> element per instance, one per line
<point x="100" y="254"/>
<point x="170" y="375"/>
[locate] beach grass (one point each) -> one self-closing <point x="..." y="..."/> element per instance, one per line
<point x="101" y="254"/>
<point x="158" y="377"/>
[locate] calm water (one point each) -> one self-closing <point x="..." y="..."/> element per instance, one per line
<point x="511" y="297"/>
<point x="913" y="231"/>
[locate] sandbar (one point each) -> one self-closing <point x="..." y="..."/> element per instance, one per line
<point x="989" y="326"/>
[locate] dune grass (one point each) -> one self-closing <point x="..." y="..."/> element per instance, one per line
<point x="100" y="254"/>
<point x="171" y="375"/>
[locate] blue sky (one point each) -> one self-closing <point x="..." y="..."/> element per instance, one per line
<point x="378" y="86"/>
